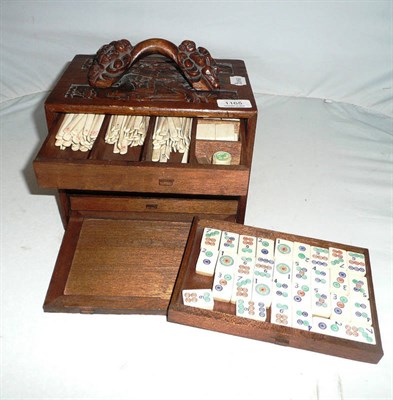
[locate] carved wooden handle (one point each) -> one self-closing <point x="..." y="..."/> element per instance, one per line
<point x="114" y="59"/>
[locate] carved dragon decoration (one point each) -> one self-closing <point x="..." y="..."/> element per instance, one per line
<point x="113" y="60"/>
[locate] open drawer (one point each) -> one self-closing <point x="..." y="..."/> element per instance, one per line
<point x="116" y="265"/>
<point x="121" y="254"/>
<point x="103" y="168"/>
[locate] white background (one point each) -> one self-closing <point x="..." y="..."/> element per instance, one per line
<point x="321" y="169"/>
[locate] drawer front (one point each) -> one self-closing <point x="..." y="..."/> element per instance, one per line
<point x="145" y="207"/>
<point x="211" y="180"/>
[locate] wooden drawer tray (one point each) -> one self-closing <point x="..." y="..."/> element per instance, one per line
<point x="102" y="169"/>
<point x="121" y="254"/>
<point x="223" y="316"/>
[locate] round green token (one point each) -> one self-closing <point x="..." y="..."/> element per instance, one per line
<point x="222" y="157"/>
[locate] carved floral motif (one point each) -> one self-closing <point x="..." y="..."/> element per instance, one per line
<point x="110" y="62"/>
<point x="197" y="64"/>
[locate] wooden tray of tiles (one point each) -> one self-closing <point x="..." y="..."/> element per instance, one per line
<point x="280" y="288"/>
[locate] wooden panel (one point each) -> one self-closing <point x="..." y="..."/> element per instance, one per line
<point x="122" y="266"/>
<point x="153" y="204"/>
<point x="223" y="318"/>
<point x="89" y="175"/>
<point x="159" y="88"/>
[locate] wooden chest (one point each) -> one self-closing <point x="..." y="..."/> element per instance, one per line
<point x="127" y="217"/>
<point x="169" y="159"/>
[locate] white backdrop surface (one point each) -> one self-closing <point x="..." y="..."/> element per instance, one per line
<point x="325" y="49"/>
<point x="321" y="169"/>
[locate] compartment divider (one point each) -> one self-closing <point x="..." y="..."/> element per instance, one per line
<point x="148" y="143"/>
<point x="192" y="156"/>
<point x="242" y="138"/>
<point x="99" y="145"/>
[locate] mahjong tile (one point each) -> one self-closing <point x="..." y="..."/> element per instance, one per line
<point x="281" y="312"/>
<point x="320" y="277"/>
<point x="301" y="253"/>
<point x="281" y="289"/>
<point x="262" y="289"/>
<point x="301" y="294"/>
<point x="337" y="258"/>
<point x="283" y="250"/>
<point x="361" y="312"/>
<point x="358" y="287"/>
<point x="319" y="256"/>
<point x="356" y="263"/>
<point x="339" y="282"/>
<point x="244" y="272"/>
<point x="211" y="239"/>
<point x="341" y="307"/>
<point x="321" y="302"/>
<point x="359" y="333"/>
<point x="224" y="278"/>
<point x="247" y="245"/>
<point x="327" y="326"/>
<point x="200" y="298"/>
<point x="229" y="242"/>
<point x="301" y="272"/>
<point x="206" y="263"/>
<point x="263" y="272"/>
<point x="301" y="316"/>
<point x="265" y="252"/>
<point x="283" y="270"/>
<point x="247" y="259"/>
<point x="251" y="309"/>
<point x="226" y="259"/>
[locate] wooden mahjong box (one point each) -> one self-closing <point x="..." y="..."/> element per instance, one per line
<point x="140" y="140"/>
